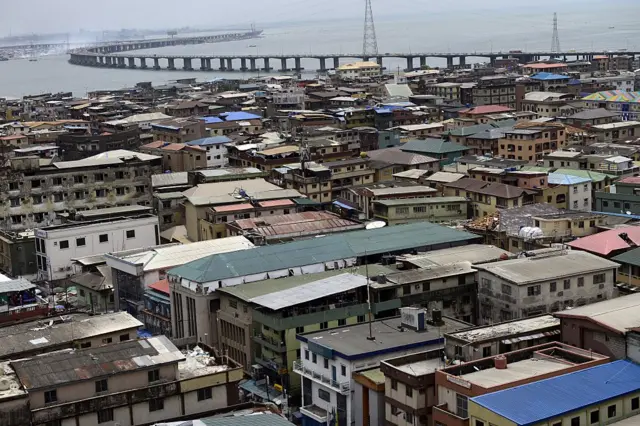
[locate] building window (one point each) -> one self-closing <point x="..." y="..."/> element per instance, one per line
<point x="611" y="411"/>
<point x="326" y="363"/>
<point x="85" y="345"/>
<point x="409" y="418"/>
<point x="479" y="423"/>
<point x="408" y="391"/>
<point x="342" y="322"/>
<point x="50" y="396"/>
<point x="599" y="278"/>
<point x="324" y="325"/>
<point x="314" y="358"/>
<point x="343" y="371"/>
<point x="102" y="386"/>
<point x="233" y="304"/>
<point x="533" y="290"/>
<point x="581" y="282"/>
<point x="103" y="238"/>
<point x="107" y="340"/>
<point x="324" y="395"/>
<point x="306" y="355"/>
<point x="299" y="330"/>
<point x="64" y="244"/>
<point x="506" y="289"/>
<point x="105" y="416"/>
<point x="124" y="337"/>
<point x="635" y="403"/>
<point x="462" y="404"/>
<point x="131" y="233"/>
<point x="81" y="242"/>
<point x="156" y="404"/>
<point x="486" y="351"/>
<point x="552" y="287"/>
<point x="594" y="417"/>
<point x="394" y="384"/>
<point x="394" y="410"/>
<point x="567" y="284"/>
<point x="204" y="394"/>
<point x="153" y="375"/>
<point x="360" y="318"/>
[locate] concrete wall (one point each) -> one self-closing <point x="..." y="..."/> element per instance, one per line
<point x="590" y="336"/>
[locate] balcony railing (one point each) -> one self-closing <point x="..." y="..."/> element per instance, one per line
<point x="272" y="365"/>
<point x="343" y="387"/>
<point x="270" y="342"/>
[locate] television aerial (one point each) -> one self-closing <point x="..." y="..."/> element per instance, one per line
<point x="240" y="194"/>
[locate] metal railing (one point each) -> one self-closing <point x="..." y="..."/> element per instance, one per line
<point x="342" y="387"/>
<point x="276" y="344"/>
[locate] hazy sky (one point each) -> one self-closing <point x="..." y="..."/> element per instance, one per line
<point x="45" y="16"/>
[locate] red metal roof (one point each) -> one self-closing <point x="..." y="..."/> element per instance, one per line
<point x="630" y="179"/>
<point x="161" y="286"/>
<point x="156" y="144"/>
<point x="276" y="203"/>
<point x="174" y="147"/>
<point x="233" y="208"/>
<point x="545" y="66"/>
<point x="607" y="242"/>
<point x="297" y="224"/>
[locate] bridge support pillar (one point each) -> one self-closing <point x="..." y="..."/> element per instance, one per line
<point x="379" y="61"/>
<point x="267" y="67"/>
<point x="450" y="62"/>
<point x="462" y="60"/>
<point x="132" y="62"/>
<point x="230" y="64"/>
<point x="283" y="65"/>
<point x="243" y="64"/>
<point x="121" y="63"/>
<point x="409" y="63"/>
<point x="172" y="64"/>
<point x="323" y="64"/>
<point x="298" y="66"/>
<point x="203" y="64"/>
<point x="186" y="64"/>
<point x="101" y="60"/>
<point x="336" y="62"/>
<point x="156" y="63"/>
<point x="143" y="63"/>
<point x="252" y="64"/>
<point x="223" y="67"/>
<point x="423" y="61"/>
<point x="208" y="62"/>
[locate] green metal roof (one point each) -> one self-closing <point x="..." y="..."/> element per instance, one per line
<point x="535" y="169"/>
<point x="255" y="289"/>
<point x="319" y="250"/>
<point x="470" y="130"/>
<point x="432" y="146"/>
<point x="631" y="257"/>
<point x="305" y="202"/>
<point x="594" y="176"/>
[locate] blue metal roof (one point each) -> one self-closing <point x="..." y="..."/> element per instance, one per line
<point x="536" y="402"/>
<point x="214" y="140"/>
<point x="564" y="179"/>
<point x="211" y="120"/>
<point x="549" y="76"/>
<point x="239" y="116"/>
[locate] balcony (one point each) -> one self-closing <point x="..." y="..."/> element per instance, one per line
<point x="316" y="413"/>
<point x="275" y="345"/>
<point x="343" y="387"/>
<point x="272" y="365"/>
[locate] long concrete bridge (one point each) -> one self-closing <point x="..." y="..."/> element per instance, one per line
<point x="114" y="56"/>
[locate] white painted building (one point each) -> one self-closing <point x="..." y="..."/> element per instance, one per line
<point x="216" y="147"/>
<point x="529" y="286"/>
<point x="357" y="70"/>
<point x="329" y="357"/>
<point x="57" y="246"/>
<point x="579" y="195"/>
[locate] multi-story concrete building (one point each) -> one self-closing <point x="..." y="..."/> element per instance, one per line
<point x="521" y="288"/>
<point x="18" y="254"/>
<point x="177" y="157"/>
<point x="546" y="104"/>
<point x="178" y="130"/>
<point x="457" y="384"/>
<point x="620" y="131"/>
<point x="33" y="195"/>
<point x="216" y="148"/>
<point x="435" y="209"/>
<point x="78" y="146"/>
<point x="91" y="386"/>
<point x="330" y="357"/>
<point x="592" y="399"/>
<point x="135" y="270"/>
<point x="532" y="143"/>
<point x="495" y="90"/>
<point x="483" y="341"/>
<point x="624" y="198"/>
<point x="357" y="70"/>
<point x="487" y="197"/>
<point x="57" y="245"/>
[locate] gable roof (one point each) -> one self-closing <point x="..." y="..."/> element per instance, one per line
<point x="432" y="146"/>
<point x="485" y="109"/>
<point x="607" y="242"/>
<point x="500" y="190"/>
<point x="618" y="315"/>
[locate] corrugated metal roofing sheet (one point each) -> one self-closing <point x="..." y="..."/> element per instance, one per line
<point x="535" y="402"/>
<point x="318" y="250"/>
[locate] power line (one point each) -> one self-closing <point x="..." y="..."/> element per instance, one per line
<point x="555" y="40"/>
<point x="370" y="42"/>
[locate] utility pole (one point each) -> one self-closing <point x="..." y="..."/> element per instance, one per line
<point x="370" y="42"/>
<point x="555" y="40"/>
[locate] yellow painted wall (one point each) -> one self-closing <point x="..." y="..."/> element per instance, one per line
<point x="477" y="412"/>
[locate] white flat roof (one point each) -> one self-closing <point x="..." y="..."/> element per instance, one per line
<point x="421" y="368"/>
<point x="497" y="331"/>
<point x="514" y="372"/>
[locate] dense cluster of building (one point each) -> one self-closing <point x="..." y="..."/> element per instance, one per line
<point x="431" y="247"/>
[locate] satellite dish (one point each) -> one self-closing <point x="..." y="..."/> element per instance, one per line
<point x="376" y="225"/>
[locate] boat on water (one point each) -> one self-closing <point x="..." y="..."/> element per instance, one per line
<point x="2" y="59"/>
<point x="252" y="45"/>
<point x="33" y="60"/>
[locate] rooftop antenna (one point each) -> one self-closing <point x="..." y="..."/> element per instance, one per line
<point x="555" y="40"/>
<point x="370" y="42"/>
<point x="366" y="271"/>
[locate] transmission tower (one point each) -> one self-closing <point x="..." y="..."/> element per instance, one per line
<point x="370" y="43"/>
<point x="555" y="40"/>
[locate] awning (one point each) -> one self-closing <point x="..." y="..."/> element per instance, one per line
<point x="343" y="205"/>
<point x="259" y="389"/>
